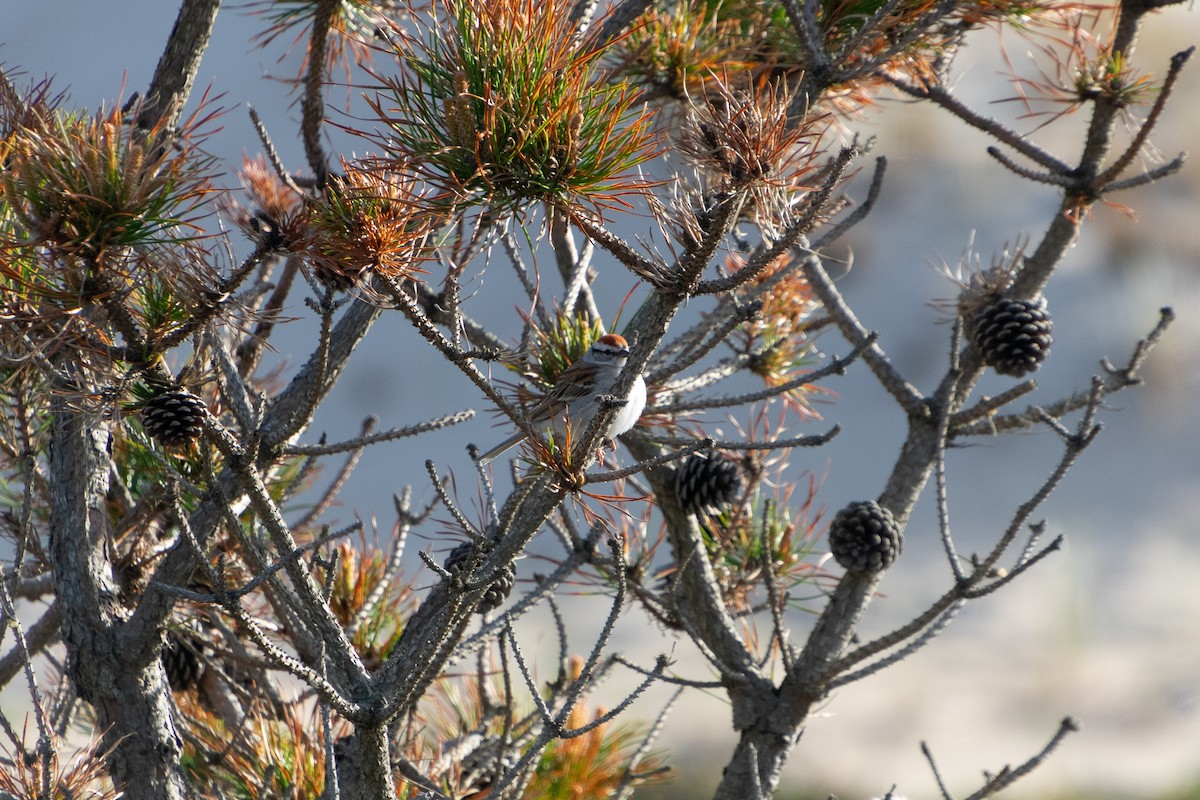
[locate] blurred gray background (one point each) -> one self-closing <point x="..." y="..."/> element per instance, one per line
<point x="1107" y="631"/>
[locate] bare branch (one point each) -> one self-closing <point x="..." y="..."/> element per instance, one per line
<point x="312" y="104"/>
<point x="1009" y="775"/>
<point x="277" y="164"/>
<point x="1143" y="133"/>
<point x="788" y="239"/>
<point x="863" y="341"/>
<point x="1149" y="176"/>
<point x="815" y="440"/>
<point x="858" y="214"/>
<point x="38" y="637"/>
<point x="333" y="490"/>
<point x="1024" y="562"/>
<point x="741" y="313"/>
<point x="1016" y="141"/>
<point x="653" y="272"/>
<point x="625" y="788"/>
<point x="937" y="775"/>
<point x="836" y="366"/>
<point x="24" y="654"/>
<point x="176" y="70"/>
<point x="927" y="635"/>
<point x="1050" y="178"/>
<point x="666" y="458"/>
<point x="1114" y="380"/>
<point x="987" y="406"/>
<point x="234" y="607"/>
<point x="368" y="439"/>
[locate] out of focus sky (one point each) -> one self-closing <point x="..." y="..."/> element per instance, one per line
<point x="1108" y="630"/>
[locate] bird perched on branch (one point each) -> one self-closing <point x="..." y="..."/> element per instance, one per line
<point x="577" y="396"/>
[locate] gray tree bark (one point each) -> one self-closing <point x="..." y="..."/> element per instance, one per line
<point x="176" y="70"/>
<point x="118" y="674"/>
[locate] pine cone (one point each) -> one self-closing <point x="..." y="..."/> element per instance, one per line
<point x="173" y="417"/>
<point x="864" y="537"/>
<point x="707" y="482"/>
<point x="1013" y="336"/>
<point x="180" y="662"/>
<point x="501" y="588"/>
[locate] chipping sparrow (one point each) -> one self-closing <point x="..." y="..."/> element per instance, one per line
<point x="577" y="392"/>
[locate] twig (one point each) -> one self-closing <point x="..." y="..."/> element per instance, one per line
<point x="511" y="637"/>
<point x="176" y="70"/>
<point x="272" y="154"/>
<point x="391" y="571"/>
<point x="435" y="567"/>
<point x="685" y="276"/>
<point x="625" y="787"/>
<point x="8" y="616"/>
<point x="653" y="272"/>
<point x="988" y="406"/>
<point x="366" y="440"/>
<point x="250" y="348"/>
<point x="560" y="629"/>
<point x="522" y="272"/>
<point x="319" y="361"/>
<point x="815" y="440"/>
<point x="774" y="600"/>
<point x="1076" y="443"/>
<point x="331" y="791"/>
<point x="714" y="374"/>
<point x="937" y="775"/>
<point x="485" y="343"/>
<point x="859" y="214"/>
<point x="312" y="105"/>
<point x="542" y="591"/>
<point x="573" y="267"/>
<point x="836" y="366"/>
<point x="1143" y="134"/>
<point x="607" y="717"/>
<point x="862" y="340"/>
<point x="791" y="235"/>
<point x="616" y="548"/>
<point x="943" y="511"/>
<point x="40" y="635"/>
<point x="455" y="356"/>
<point x="1036" y="529"/>
<point x="672" y="679"/>
<point x="334" y="489"/>
<point x="439" y="486"/>
<point x="927" y="635"/>
<point x="1016" y="141"/>
<point x="216" y="300"/>
<point x="741" y="313"/>
<point x="233" y="606"/>
<point x="1050" y="178"/>
<point x="317" y="612"/>
<point x="1008" y="776"/>
<point x="485" y="483"/>
<point x="1149" y="176"/>
<point x="1024" y="563"/>
<point x="245" y="406"/>
<point x="665" y="458"/>
<point x="942" y="408"/>
<point x="264" y="575"/>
